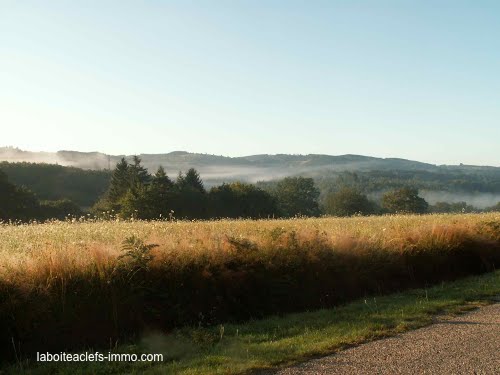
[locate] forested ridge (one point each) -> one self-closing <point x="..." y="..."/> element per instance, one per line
<point x="54" y="182"/>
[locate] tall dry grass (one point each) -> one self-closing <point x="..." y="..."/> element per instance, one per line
<point x="67" y="285"/>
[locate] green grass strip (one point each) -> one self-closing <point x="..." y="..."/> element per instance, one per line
<point x="285" y="340"/>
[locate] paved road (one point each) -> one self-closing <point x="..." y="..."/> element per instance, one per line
<point x="466" y="344"/>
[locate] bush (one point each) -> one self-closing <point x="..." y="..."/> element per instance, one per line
<point x="59" y="209"/>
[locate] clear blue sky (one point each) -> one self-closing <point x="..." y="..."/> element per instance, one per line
<point x="412" y="79"/>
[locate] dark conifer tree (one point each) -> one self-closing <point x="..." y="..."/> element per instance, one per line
<point x="193" y="181"/>
<point x="138" y="174"/>
<point x="161" y="181"/>
<point x="120" y="181"/>
<point x="190" y="199"/>
<point x="161" y="195"/>
<point x="179" y="182"/>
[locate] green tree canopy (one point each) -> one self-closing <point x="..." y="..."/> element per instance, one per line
<point x="405" y="200"/>
<point x="56" y="182"/>
<point x="347" y="202"/>
<point x="125" y="177"/>
<point x="16" y="203"/>
<point x="137" y="203"/>
<point x="241" y="200"/>
<point x="59" y="209"/>
<point x="297" y="196"/>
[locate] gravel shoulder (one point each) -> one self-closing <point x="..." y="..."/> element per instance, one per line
<point x="464" y="344"/>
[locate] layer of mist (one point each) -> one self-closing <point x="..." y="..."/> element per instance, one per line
<point x="253" y="167"/>
<point x="478" y="200"/>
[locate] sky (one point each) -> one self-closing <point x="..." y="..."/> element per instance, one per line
<point x="412" y="79"/>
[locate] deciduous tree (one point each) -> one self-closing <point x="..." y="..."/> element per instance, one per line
<point x="297" y="196"/>
<point x="348" y="201"/>
<point x="405" y="200"/>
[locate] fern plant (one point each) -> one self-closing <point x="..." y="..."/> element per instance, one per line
<point x="138" y="252"/>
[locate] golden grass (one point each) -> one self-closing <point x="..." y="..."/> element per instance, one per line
<point x="44" y="251"/>
<point x="37" y="253"/>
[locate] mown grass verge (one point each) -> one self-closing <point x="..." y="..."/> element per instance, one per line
<point x="278" y="341"/>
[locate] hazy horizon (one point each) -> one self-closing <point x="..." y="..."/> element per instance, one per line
<point x="53" y="156"/>
<point x="417" y="81"/>
<point x="230" y="156"/>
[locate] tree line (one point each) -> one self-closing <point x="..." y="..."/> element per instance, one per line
<point x="446" y="179"/>
<point x="19" y="203"/>
<point x="84" y="187"/>
<point x="133" y="192"/>
<point x="52" y="182"/>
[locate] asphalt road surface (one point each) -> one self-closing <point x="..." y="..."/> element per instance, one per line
<point x="465" y="344"/>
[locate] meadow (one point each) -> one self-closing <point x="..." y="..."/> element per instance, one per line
<point x="89" y="283"/>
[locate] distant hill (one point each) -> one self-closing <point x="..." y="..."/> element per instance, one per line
<point x="214" y="168"/>
<point x="179" y="160"/>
